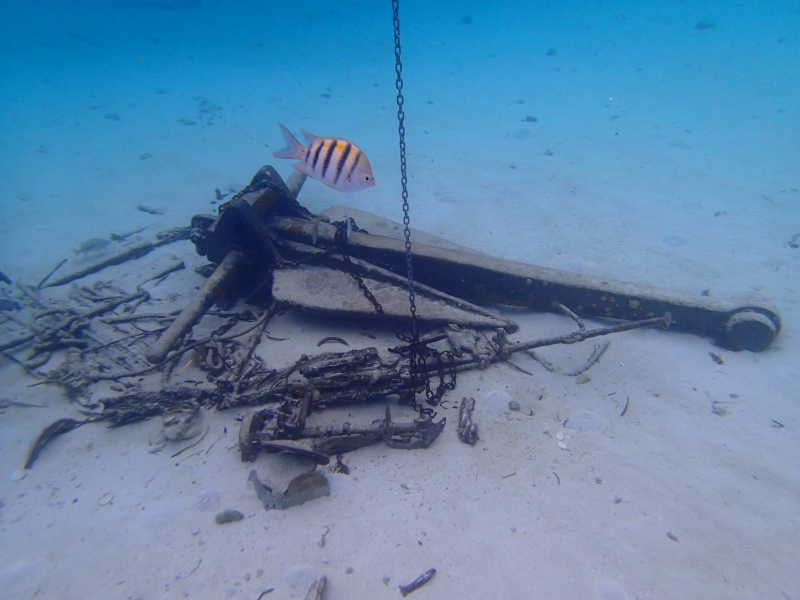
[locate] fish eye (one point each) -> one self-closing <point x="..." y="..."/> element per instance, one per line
<point x="366" y="177"/>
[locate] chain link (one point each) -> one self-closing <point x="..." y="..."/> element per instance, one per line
<point x="398" y="68"/>
<point x="417" y="352"/>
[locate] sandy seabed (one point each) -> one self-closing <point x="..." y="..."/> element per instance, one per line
<point x="672" y="163"/>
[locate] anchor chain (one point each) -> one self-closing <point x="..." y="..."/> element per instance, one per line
<point x="417" y="354"/>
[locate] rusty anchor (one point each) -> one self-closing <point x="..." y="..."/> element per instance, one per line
<point x="264" y="236"/>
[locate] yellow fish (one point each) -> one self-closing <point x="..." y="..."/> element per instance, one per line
<point x="333" y="161"/>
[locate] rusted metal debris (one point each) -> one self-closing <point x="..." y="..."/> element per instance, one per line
<point x="268" y="247"/>
<point x="328" y="288"/>
<point x="121" y="253"/>
<point x="231" y="267"/>
<point x="367" y="375"/>
<point x="329" y="379"/>
<point x="269" y="250"/>
<point x="51" y="431"/>
<point x="467" y="430"/>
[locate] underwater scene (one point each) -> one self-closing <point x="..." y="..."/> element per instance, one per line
<point x="360" y="300"/>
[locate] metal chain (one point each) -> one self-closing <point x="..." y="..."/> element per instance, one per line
<point x="417" y="352"/>
<point x="444" y="361"/>
<point x="398" y="67"/>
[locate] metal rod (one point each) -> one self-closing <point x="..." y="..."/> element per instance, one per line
<point x="211" y="291"/>
<point x="295" y="183"/>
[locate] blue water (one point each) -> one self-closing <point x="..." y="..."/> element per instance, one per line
<point x="655" y="142"/>
<point x="637" y="106"/>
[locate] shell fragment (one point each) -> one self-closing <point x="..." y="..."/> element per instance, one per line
<point x="105" y="499"/>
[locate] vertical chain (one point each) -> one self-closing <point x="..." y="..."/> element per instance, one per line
<point x="398" y="67"/>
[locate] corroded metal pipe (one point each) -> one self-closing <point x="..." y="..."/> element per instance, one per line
<point x="253" y="205"/>
<point x="212" y="290"/>
<point x="295" y="183"/>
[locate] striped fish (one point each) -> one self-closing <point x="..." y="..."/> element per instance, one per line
<point x="333" y="161"/>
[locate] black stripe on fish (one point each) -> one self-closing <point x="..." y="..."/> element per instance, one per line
<point x="308" y="153"/>
<point x="342" y="160"/>
<point x="328" y="156"/>
<point x="316" y="153"/>
<point x="356" y="158"/>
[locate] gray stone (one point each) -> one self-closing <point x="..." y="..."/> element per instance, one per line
<point x="228" y="516"/>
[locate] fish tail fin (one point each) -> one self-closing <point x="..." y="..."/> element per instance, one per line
<point x="294" y="149"/>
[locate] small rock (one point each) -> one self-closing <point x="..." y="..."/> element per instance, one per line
<point x="105" y="499"/>
<point x="513" y="405"/>
<point x="228" y="516"/>
<point x="582" y="378"/>
<point x="349" y="570"/>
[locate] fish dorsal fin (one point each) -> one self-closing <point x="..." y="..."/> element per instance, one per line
<point x="310" y="137"/>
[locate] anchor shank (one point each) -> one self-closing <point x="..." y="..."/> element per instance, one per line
<point x="751" y="324"/>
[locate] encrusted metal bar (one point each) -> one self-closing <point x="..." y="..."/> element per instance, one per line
<point x="746" y="322"/>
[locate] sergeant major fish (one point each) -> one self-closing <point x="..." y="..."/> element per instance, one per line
<point x="335" y="162"/>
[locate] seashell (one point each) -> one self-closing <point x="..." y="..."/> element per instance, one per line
<point x="105" y="499"/>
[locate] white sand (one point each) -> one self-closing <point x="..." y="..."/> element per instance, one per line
<point x="674" y="162"/>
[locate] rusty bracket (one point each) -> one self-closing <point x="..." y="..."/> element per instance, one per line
<point x="265" y="430"/>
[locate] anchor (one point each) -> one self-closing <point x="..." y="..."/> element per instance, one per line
<point x="267" y="246"/>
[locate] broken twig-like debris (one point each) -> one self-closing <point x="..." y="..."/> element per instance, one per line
<point x="418" y="582"/>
